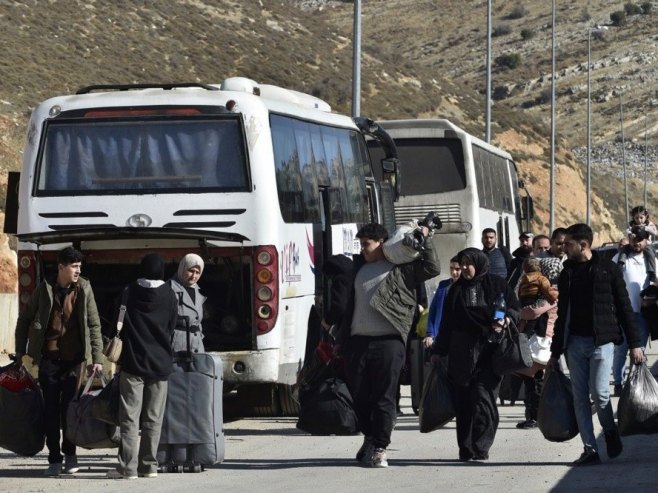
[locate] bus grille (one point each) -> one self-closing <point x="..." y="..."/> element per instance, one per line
<point x="448" y="213"/>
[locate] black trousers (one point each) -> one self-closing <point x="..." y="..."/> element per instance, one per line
<point x="58" y="380"/>
<point x="533" y="386"/>
<point x="373" y="372"/>
<point x="477" y="413"/>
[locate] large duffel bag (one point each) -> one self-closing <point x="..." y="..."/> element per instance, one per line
<point x="192" y="434"/>
<point x="327" y="409"/>
<point x="21" y="413"/>
<point x="85" y="431"/>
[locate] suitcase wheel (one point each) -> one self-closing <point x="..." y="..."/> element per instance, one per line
<point x="162" y="469"/>
<point x="193" y="468"/>
<point x="177" y="468"/>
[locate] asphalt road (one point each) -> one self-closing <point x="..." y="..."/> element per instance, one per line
<point x="271" y="455"/>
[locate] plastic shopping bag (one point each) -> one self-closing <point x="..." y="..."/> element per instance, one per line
<point x="436" y="407"/>
<point x="556" y="416"/>
<point x="638" y="404"/>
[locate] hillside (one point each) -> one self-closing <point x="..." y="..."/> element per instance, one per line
<point x="427" y="62"/>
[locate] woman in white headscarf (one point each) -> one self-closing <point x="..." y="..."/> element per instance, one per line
<point x="190" y="304"/>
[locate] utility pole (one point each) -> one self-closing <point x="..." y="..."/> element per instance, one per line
<point x="487" y="103"/>
<point x="551" y="224"/>
<point x="646" y="156"/>
<point x="589" y="125"/>
<point x="356" y="61"/>
<point x="623" y="153"/>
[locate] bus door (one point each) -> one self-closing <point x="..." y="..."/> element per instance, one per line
<point x="330" y="213"/>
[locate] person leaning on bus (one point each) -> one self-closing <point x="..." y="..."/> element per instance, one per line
<point x="378" y="318"/>
<point x="65" y="332"/>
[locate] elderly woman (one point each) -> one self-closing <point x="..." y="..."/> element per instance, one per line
<point x="190" y="304"/>
<point x="465" y="336"/>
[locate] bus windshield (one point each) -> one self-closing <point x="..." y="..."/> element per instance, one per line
<point x="103" y="156"/>
<point x="428" y="165"/>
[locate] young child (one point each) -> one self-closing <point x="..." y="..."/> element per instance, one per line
<point x="534" y="284"/>
<point x="640" y="217"/>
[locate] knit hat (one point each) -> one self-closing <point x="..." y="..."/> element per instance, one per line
<point x="152" y="267"/>
<point x="187" y="262"/>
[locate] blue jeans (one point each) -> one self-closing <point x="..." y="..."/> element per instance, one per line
<point x="621" y="351"/>
<point x="589" y="368"/>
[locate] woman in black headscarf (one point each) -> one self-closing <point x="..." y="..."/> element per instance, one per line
<point x="467" y="329"/>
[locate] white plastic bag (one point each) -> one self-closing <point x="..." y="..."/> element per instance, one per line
<point x="540" y="347"/>
<point x="395" y="250"/>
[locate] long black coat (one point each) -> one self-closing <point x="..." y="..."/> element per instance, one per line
<point x="466" y="326"/>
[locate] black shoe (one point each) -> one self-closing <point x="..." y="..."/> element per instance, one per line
<point x="481" y="457"/>
<point x="613" y="443"/>
<point x="589" y="457"/>
<point x="617" y="390"/>
<point x="527" y="425"/>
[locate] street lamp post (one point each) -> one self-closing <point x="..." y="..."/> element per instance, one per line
<point x="552" y="173"/>
<point x="487" y="103"/>
<point x="597" y="29"/>
<point x="623" y="152"/>
<point x="356" y="61"/>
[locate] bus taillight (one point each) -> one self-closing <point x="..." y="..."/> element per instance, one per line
<point x="27" y="274"/>
<point x="266" y="288"/>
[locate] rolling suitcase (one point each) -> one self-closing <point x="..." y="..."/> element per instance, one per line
<point x="421" y="367"/>
<point x="192" y="430"/>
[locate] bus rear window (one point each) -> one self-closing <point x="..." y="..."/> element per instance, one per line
<point x="427" y="165"/>
<point x="137" y="156"/>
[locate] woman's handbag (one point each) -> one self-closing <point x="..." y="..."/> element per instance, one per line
<point x="512" y="353"/>
<point x="112" y="349"/>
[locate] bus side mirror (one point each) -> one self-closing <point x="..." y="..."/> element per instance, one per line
<point x="521" y="184"/>
<point x="391" y="174"/>
<point x="11" y="203"/>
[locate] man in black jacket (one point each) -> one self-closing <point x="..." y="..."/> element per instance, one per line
<point x="592" y="307"/>
<point x="146" y="362"/>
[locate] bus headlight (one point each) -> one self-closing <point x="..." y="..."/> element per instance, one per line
<point x="264" y="293"/>
<point x="264" y="276"/>
<point x="264" y="311"/>
<point x="25" y="279"/>
<point x="264" y="258"/>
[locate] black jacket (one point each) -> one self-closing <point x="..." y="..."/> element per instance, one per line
<point x="611" y="306"/>
<point x="149" y="322"/>
<point x="465" y="330"/>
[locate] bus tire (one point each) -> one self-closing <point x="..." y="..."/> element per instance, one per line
<point x="288" y="400"/>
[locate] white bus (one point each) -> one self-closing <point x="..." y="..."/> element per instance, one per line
<point x="262" y="182"/>
<point x="471" y="185"/>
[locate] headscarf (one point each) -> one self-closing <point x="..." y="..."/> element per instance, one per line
<point x="479" y="259"/>
<point x="152" y="267"/>
<point x="187" y="262"/>
<point x="550" y="268"/>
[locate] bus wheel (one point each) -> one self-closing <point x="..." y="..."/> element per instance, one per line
<point x="288" y="400"/>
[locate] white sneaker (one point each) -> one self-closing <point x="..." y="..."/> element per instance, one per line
<point x="71" y="464"/>
<point x="54" y="469"/>
<point x="114" y="474"/>
<point x="379" y="458"/>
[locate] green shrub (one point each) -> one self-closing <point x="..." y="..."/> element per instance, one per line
<point x="527" y="34"/>
<point x="631" y="9"/>
<point x="618" y="18"/>
<point x="509" y="60"/>
<point x="518" y="12"/>
<point x="501" y="30"/>
<point x="646" y="7"/>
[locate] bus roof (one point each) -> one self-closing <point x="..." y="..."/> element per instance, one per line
<point x="435" y="127"/>
<point x="245" y="92"/>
